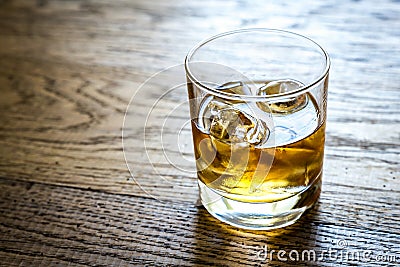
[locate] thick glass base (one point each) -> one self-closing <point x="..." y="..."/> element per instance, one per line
<point x="259" y="216"/>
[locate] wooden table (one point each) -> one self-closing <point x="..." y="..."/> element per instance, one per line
<point x="67" y="72"/>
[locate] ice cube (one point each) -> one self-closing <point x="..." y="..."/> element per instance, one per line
<point x="280" y="86"/>
<point x="286" y="105"/>
<point x="234" y="121"/>
<point x="236" y="87"/>
<point x="210" y="108"/>
<point x="231" y="124"/>
<point x="206" y="113"/>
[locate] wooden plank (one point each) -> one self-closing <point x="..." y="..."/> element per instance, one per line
<point x="58" y="225"/>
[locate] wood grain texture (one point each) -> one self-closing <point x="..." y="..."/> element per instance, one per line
<point x="67" y="72"/>
<point x="59" y="225"/>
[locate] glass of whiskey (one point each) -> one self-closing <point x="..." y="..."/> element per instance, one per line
<point x="257" y="102"/>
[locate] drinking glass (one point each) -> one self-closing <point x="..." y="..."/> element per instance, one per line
<point x="258" y="102"/>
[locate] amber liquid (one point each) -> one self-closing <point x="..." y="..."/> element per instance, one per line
<point x="250" y="173"/>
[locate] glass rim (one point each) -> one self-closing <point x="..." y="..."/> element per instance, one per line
<point x="226" y="95"/>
